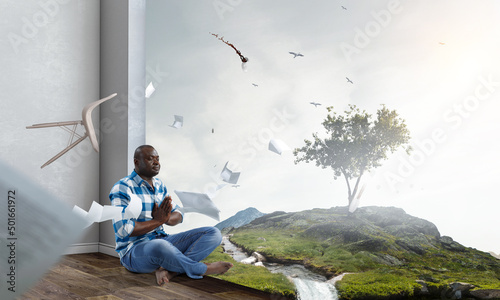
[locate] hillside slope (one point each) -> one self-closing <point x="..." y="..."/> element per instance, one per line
<point x="373" y="240"/>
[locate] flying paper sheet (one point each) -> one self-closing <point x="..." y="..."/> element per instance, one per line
<point x="229" y="176"/>
<point x="278" y="146"/>
<point x="150" y="89"/>
<point x="36" y="230"/>
<point x="220" y="186"/>
<point x="82" y="214"/>
<point x="98" y="213"/>
<point x="198" y="203"/>
<point x="179" y="120"/>
<point x="211" y="194"/>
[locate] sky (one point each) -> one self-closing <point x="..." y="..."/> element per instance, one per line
<point x="435" y="62"/>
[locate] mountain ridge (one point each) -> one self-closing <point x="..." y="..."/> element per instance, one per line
<point x="241" y="218"/>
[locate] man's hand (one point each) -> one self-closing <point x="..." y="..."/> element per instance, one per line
<point x="162" y="213"/>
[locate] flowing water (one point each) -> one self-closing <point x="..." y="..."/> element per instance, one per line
<point x="309" y="285"/>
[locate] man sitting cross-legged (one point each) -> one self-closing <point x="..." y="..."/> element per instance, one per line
<point x="142" y="244"/>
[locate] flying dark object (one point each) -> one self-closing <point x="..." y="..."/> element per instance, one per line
<point x="349" y="80"/>
<point x="315" y="104"/>
<point x="344" y="8"/>
<point x="243" y="58"/>
<point x="295" y="54"/>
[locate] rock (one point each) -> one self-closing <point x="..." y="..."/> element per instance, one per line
<point x="424" y="290"/>
<point x="259" y="264"/>
<point x="450" y="244"/>
<point x="459" y="289"/>
<point x="259" y="257"/>
<point x="461" y="286"/>
<point x="387" y="259"/>
<point x="249" y="260"/>
<point x="261" y="239"/>
<point x="485" y="294"/>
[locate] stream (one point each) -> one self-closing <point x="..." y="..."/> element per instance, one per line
<point x="309" y="285"/>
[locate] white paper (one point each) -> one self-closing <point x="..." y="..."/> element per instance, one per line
<point x="211" y="194"/>
<point x="98" y="213"/>
<point x="83" y="214"/>
<point x="229" y="176"/>
<point x="198" y="203"/>
<point x="36" y="230"/>
<point x="110" y="212"/>
<point x="95" y="212"/>
<point x="178" y="122"/>
<point x="220" y="186"/>
<point x="150" y="89"/>
<point x="278" y="146"/>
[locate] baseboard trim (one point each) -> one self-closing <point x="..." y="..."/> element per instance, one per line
<point x="82" y="248"/>
<point x="91" y="248"/>
<point x="107" y="249"/>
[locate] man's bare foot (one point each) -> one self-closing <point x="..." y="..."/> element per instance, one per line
<point x="219" y="267"/>
<point x="163" y="276"/>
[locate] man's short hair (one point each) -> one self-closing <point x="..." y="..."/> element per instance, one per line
<point x="138" y="151"/>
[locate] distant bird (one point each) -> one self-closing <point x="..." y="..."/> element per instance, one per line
<point x="235" y="185"/>
<point x="349" y="80"/>
<point x="255" y="84"/>
<point x="212" y="130"/>
<point x="315" y="104"/>
<point x="441" y="43"/>
<point x="344" y="8"/>
<point x="295" y="54"/>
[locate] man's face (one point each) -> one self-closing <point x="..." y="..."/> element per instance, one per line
<point x="148" y="163"/>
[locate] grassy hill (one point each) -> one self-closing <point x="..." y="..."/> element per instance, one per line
<point x="389" y="253"/>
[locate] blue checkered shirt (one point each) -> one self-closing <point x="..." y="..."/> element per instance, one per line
<point x="120" y="196"/>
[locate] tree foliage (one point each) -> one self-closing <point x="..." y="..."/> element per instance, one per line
<point x="354" y="144"/>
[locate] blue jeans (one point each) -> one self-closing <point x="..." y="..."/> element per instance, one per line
<point x="181" y="252"/>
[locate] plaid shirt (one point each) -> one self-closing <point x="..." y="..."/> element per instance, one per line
<point x="120" y="196"/>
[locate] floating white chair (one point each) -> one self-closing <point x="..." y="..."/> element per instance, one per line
<point x="86" y="122"/>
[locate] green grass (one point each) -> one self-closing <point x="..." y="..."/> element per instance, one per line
<point x="437" y="267"/>
<point x="288" y="246"/>
<point x="367" y="284"/>
<point x="251" y="276"/>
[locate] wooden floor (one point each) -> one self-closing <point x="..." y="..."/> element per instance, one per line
<point x="95" y="276"/>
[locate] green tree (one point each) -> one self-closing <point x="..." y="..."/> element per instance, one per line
<point x="355" y="144"/>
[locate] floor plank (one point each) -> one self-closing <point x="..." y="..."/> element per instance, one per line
<point x="97" y="276"/>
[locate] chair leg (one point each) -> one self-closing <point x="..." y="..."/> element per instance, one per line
<point x="64" y="151"/>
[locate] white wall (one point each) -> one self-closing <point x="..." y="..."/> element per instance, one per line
<point x="56" y="57"/>
<point x="49" y="58"/>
